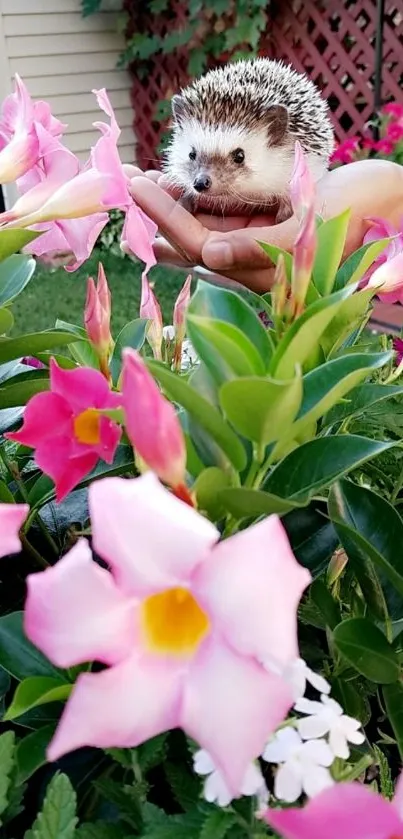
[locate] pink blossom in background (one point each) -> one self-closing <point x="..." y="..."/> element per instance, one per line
<point x="394" y="131"/>
<point x="345" y="152"/>
<point x="150" y="310"/>
<point x="11" y="519"/>
<point x="398" y="348"/>
<point x="151" y="422"/>
<point x="182" y="621"/>
<point x="64" y="428"/>
<point x="302" y="186"/>
<point x="393" y="109"/>
<point x="346" y="811"/>
<point x="384" y="146"/>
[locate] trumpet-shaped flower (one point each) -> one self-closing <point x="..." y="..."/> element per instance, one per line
<point x="66" y="430"/>
<point x="388" y="280"/>
<point x="19" y="144"/>
<point x="182" y="620"/>
<point x="151" y="422"/>
<point x="350" y="811"/>
<point x="11" y="519"/>
<point x="151" y="311"/>
<point x="302" y="186"/>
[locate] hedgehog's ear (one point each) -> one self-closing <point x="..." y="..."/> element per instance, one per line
<point x="179" y="108"/>
<point x="277" y="123"/>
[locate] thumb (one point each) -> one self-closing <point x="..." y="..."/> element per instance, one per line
<point x="241" y="249"/>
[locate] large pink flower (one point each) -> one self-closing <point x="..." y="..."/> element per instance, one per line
<point x="382" y="229"/>
<point x="11" y="519"/>
<point x="65" y="428"/>
<point x="182" y="620"/>
<point x="19" y="144"/>
<point x="345" y="811"/>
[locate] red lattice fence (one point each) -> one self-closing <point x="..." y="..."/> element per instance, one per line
<point x="333" y="41"/>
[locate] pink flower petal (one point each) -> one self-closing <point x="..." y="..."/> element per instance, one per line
<point x="53" y="456"/>
<point x="122" y="706"/>
<point x="81" y="235"/>
<point x="110" y="434"/>
<point x="138" y="235"/>
<point x="11" y="519"/>
<point x="255" y="567"/>
<point x="150" y="539"/>
<point x="398" y="799"/>
<point x="346" y="811"/>
<point x="46" y="415"/>
<point x="75" y="613"/>
<point x="82" y="388"/>
<point x="231" y="705"/>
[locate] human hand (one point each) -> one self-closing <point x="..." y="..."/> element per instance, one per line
<point x="228" y="245"/>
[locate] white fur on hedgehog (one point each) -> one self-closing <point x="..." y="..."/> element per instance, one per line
<point x="231" y="108"/>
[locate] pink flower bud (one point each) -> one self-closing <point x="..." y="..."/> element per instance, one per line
<point x="180" y="309"/>
<point x="302" y="187"/>
<point x="97" y="316"/>
<point x="304" y="258"/>
<point x="150" y="310"/>
<point x="151" y="422"/>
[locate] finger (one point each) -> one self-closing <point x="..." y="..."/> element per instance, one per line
<point x="178" y="226"/>
<point x="166" y="254"/>
<point x="132" y="171"/>
<point x="240" y="249"/>
<point x="225" y="223"/>
<point x="153" y="175"/>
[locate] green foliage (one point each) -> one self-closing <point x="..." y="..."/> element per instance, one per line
<point x="57" y="818"/>
<point x="7" y="749"/>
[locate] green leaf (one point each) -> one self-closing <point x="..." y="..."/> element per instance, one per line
<point x="221" y="304"/>
<point x="57" y="819"/>
<point x="224" y="348"/>
<point x="274" y="252"/>
<point x="352" y="313"/>
<point x="261" y="409"/>
<point x="202" y="411"/>
<point x="353" y="700"/>
<point x="326" y="604"/>
<point x="17" y="655"/>
<point x="15" y="274"/>
<point x="303" y="337"/>
<point x="184" y="783"/>
<point x="152" y="752"/>
<point x="7" y="752"/>
<point x="312" y="536"/>
<point x="132" y="335"/>
<point x="359" y="400"/>
<point x="367" y="650"/>
<point x="186" y="826"/>
<point x="208" y="486"/>
<point x="331" y="240"/>
<point x="217" y="824"/>
<point x="6" y="322"/>
<point x="393" y="699"/>
<point x="101" y="830"/>
<point x="30" y="753"/>
<point x="318" y="463"/>
<point x="5" y="494"/>
<point x="17" y="392"/>
<point x="37" y="690"/>
<point x="370" y="529"/>
<point x="355" y="266"/>
<point x="12" y="241"/>
<point x="23" y="345"/>
<point x="242" y="502"/>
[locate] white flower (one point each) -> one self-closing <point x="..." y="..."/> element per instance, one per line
<point x="189" y="356"/>
<point x="168" y="333"/>
<point x="304" y="766"/>
<point x="215" y="788"/>
<point x="297" y="673"/>
<point x="326" y="717"/>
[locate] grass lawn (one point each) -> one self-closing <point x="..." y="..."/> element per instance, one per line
<point x="56" y="293"/>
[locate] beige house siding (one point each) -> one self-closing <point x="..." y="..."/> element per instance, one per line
<point x="62" y="57"/>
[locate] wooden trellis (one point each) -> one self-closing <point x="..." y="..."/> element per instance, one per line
<point x="333" y="41"/>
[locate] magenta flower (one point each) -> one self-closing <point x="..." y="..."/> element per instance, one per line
<point x="393" y="109"/>
<point x="398" y="348"/>
<point x="66" y="430"/>
<point x="346" y="152"/>
<point x="11" y="519"/>
<point x="394" y="131"/>
<point x="150" y="310"/>
<point x="384" y="146"/>
<point x="302" y="187"/>
<point x="182" y="621"/>
<point x="345" y="811"/>
<point x="152" y="424"/>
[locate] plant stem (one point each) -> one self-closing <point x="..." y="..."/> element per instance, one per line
<point x="39" y="559"/>
<point x="397" y="487"/>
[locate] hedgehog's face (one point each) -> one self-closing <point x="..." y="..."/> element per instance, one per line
<point x="225" y="167"/>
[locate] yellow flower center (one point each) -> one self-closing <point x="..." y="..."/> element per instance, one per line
<point x="173" y="622"/>
<point x="86" y="427"/>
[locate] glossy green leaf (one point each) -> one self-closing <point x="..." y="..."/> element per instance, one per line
<point x="303" y="337"/>
<point x="318" y="463"/>
<point x="243" y="502"/>
<point x="6" y="321"/>
<point x="331" y="240"/>
<point x="274" y="252"/>
<point x="393" y="699"/>
<point x="353" y="700"/>
<point x="367" y="650"/>
<point x="218" y="303"/>
<point x="312" y="536"/>
<point x="360" y="399"/>
<point x="208" y="488"/>
<point x="6" y="495"/>
<point x="352" y="313"/>
<point x="132" y="335"/>
<point x="17" y="655"/>
<point x="37" y="690"/>
<point x="203" y="412"/>
<point x="370" y="529"/>
<point x="11" y="241"/>
<point x="354" y="267"/>
<point x="261" y="409"/>
<point x="325" y="602"/>
<point x="30" y="753"/>
<point x="228" y="346"/>
<point x="17" y="393"/>
<point x="23" y="345"/>
<point x="74" y="328"/>
<point x="15" y="274"/>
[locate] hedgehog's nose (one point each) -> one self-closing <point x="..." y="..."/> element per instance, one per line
<point x="202" y="183"/>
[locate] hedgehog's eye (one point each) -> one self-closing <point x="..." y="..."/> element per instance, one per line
<point x="192" y="154"/>
<point x="238" y="155"/>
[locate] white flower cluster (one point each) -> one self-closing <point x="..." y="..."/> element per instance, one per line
<point x="189" y="355"/>
<point x="302" y="754"/>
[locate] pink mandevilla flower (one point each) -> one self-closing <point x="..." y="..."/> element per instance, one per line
<point x="150" y="310"/>
<point x="182" y="620"/>
<point x="350" y="811"/>
<point x="382" y="229"/>
<point x="388" y="279"/>
<point x="19" y="144"/>
<point x="66" y="430"/>
<point x="11" y="519"/>
<point x="97" y="318"/>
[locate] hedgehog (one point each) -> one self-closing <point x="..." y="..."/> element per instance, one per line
<point x="234" y="132"/>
